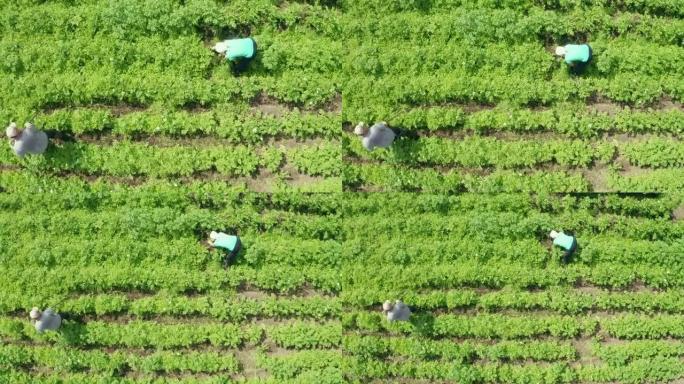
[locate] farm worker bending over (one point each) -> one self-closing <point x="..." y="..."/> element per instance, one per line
<point x="379" y="135"/>
<point x="577" y="56"/>
<point x="28" y="140"/>
<point x="45" y="321"/>
<point x="567" y="242"/>
<point x="397" y="311"/>
<point x="228" y="243"/>
<point x="238" y="51"/>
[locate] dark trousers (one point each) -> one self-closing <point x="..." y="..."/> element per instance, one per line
<point x="231" y="255"/>
<point x="405" y="133"/>
<point x="567" y="255"/>
<point x="240" y="65"/>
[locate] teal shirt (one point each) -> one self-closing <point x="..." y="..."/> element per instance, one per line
<point x="240" y="49"/>
<point x="576" y="53"/>
<point x="564" y="241"/>
<point x="226" y="242"/>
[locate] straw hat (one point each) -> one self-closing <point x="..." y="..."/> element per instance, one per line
<point x="387" y="306"/>
<point x="560" y="51"/>
<point x="554" y="234"/>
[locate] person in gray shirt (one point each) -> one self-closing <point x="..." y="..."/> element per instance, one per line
<point x="47" y="320"/>
<point x="28" y="140"/>
<point x="379" y="135"/>
<point x="397" y="311"/>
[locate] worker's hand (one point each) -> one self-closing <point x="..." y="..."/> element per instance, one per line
<point x="221" y="47"/>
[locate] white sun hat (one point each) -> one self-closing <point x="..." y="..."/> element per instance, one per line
<point x="12" y="131"/>
<point x="554" y="234"/>
<point x="560" y="51"/>
<point x="387" y="306"/>
<point x="361" y="128"/>
<point x="35" y="313"/>
<point x="221" y="47"/>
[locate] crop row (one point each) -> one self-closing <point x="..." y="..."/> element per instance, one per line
<point x="496" y="326"/>
<point x="654" y="152"/>
<point x="410" y="204"/>
<point x="528" y="60"/>
<point x="657" y="180"/>
<point x="67" y="193"/>
<point x="138" y="334"/>
<point x="494" y="88"/>
<point x="499" y="275"/>
<point x="166" y="18"/>
<point x="184" y="56"/>
<point x="24" y="377"/>
<point x="264" y="250"/>
<point x="145" y="87"/>
<point x="221" y="307"/>
<point x="644" y="327"/>
<point x="485" y="326"/>
<point x="430" y="250"/>
<point x="170" y="223"/>
<point x="554" y="299"/>
<point x="60" y="359"/>
<point x="595" y="250"/>
<point x="619" y="354"/>
<point x="640" y="371"/>
<point x="658" y="7"/>
<point x="318" y="366"/>
<point x="459" y="352"/>
<point x="479" y="26"/>
<point x="567" y="120"/>
<point x="237" y="125"/>
<point x="131" y="159"/>
<point x="123" y="277"/>
<point x="510" y="225"/>
<point x="483" y="152"/>
<point x="390" y="178"/>
<point x="71" y="193"/>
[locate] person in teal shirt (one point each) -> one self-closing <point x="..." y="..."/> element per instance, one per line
<point x="576" y="55"/>
<point x="238" y="51"/>
<point x="567" y="242"/>
<point x="229" y="243"/>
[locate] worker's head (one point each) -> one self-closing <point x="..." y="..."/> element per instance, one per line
<point x="220" y="47"/>
<point x="387" y="306"/>
<point x="553" y="234"/>
<point x="560" y="51"/>
<point x="12" y="131"/>
<point x="213" y="235"/>
<point x="361" y="129"/>
<point x="35" y="313"/>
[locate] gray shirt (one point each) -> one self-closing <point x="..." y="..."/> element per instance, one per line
<point x="31" y="140"/>
<point x="49" y="320"/>
<point x="380" y="135"/>
<point x="400" y="312"/>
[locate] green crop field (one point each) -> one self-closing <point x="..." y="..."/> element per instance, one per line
<point x="146" y="301"/>
<point x="487" y="107"/>
<point x="155" y="142"/>
<point x="131" y="89"/>
<point x="493" y="304"/>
